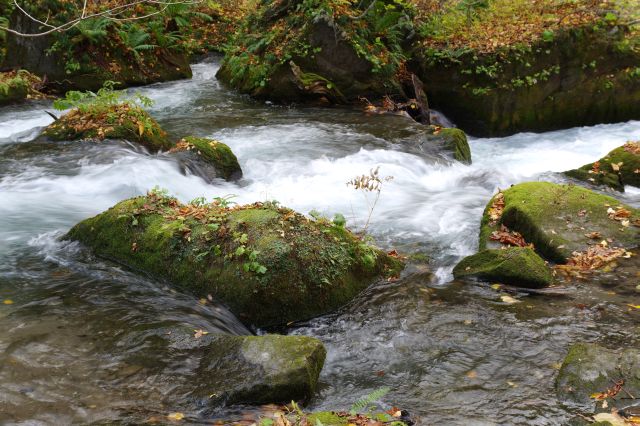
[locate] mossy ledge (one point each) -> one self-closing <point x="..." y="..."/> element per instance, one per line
<point x="269" y="265"/>
<point x="120" y="121"/>
<point x="455" y="141"/>
<point x="618" y="168"/>
<point x="556" y="219"/>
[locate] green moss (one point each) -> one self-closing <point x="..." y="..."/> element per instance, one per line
<point x="15" y="86"/>
<point x="332" y="418"/>
<point x="519" y="266"/>
<point x="627" y="165"/>
<point x="270" y="266"/>
<point x="215" y="153"/>
<point x="555" y="218"/>
<point x="589" y="369"/>
<point x="456" y="142"/>
<point x="121" y="121"/>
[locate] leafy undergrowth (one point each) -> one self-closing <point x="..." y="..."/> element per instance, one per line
<point x="488" y="25"/>
<point x="277" y="33"/>
<point x="212" y="24"/>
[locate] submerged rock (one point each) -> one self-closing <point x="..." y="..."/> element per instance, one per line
<point x="120" y="121"/>
<point x="207" y="158"/>
<point x="270" y="265"/>
<point x="561" y="219"/>
<point x="618" y="168"/>
<point x="259" y="369"/>
<point x="590" y="369"/>
<point x="518" y="266"/>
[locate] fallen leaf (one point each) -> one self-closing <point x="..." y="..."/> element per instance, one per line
<point x="199" y="333"/>
<point x="175" y="416"/>
<point x="508" y="299"/>
<point x="8" y="302"/>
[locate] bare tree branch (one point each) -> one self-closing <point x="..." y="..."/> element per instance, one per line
<point x="108" y="14"/>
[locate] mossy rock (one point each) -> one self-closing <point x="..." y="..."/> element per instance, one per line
<point x="618" y="168"/>
<point x="287" y="51"/>
<point x="518" y="266"/>
<point x="269" y="265"/>
<point x="556" y="219"/>
<point x="584" y="76"/>
<point x="259" y="369"/>
<point x="13" y="87"/>
<point x="207" y="158"/>
<point x="121" y="121"/>
<point x="455" y="141"/>
<point x="589" y="368"/>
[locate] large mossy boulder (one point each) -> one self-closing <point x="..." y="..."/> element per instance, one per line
<point x="560" y="219"/>
<point x="328" y="50"/>
<point x="590" y="369"/>
<point x="571" y="77"/>
<point x="618" y="168"/>
<point x="258" y="369"/>
<point x="269" y="265"/>
<point x="118" y="121"/>
<point x="518" y="266"/>
<point x="207" y="158"/>
<point x="95" y="51"/>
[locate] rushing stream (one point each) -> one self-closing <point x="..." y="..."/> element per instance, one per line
<point x="83" y="340"/>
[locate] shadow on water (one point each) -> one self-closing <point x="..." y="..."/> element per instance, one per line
<point x="85" y="341"/>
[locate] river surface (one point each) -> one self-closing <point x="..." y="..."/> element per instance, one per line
<point x="84" y="340"/>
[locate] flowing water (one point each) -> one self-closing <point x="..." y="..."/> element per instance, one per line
<point x="85" y="341"/>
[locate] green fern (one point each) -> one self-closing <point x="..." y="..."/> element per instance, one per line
<point x="93" y="30"/>
<point x="363" y="403"/>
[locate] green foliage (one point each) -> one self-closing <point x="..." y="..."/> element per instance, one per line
<point x="364" y="404"/>
<point x="101" y="100"/>
<point x="92" y="30"/>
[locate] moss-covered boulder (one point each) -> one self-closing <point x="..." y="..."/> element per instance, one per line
<point x="270" y="265"/>
<point x="570" y="77"/>
<point x="518" y="266"/>
<point x="455" y="141"/>
<point x="618" y="168"/>
<point x="328" y="50"/>
<point x="560" y="219"/>
<point x="120" y="121"/>
<point x="207" y="158"/>
<point x="16" y="86"/>
<point x="258" y="369"/>
<point x="590" y="369"/>
<point x="96" y="50"/>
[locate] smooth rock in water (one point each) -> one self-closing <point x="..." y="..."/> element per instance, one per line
<point x="618" y="168"/>
<point x="518" y="266"/>
<point x="207" y="158"/>
<point x="455" y="141"/>
<point x="269" y="265"/>
<point x="259" y="369"/>
<point x="589" y="368"/>
<point x="561" y="219"/>
<point x="121" y="121"/>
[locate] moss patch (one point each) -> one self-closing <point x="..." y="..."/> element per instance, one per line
<point x="519" y="266"/>
<point x="589" y="369"/>
<point x="260" y="369"/>
<point x="455" y="140"/>
<point x="214" y="152"/>
<point x="19" y="85"/>
<point x="556" y="219"/>
<point x="618" y="168"/>
<point x="121" y="121"/>
<point x="270" y="265"/>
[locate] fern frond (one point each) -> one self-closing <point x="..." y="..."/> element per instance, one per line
<point x="364" y="402"/>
